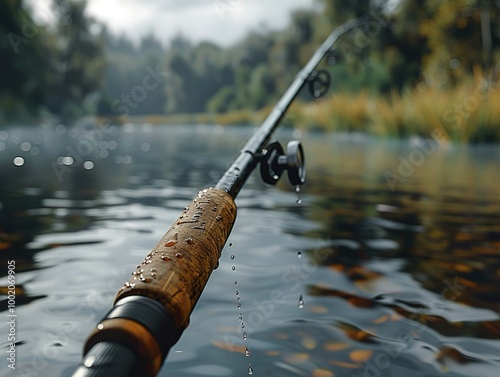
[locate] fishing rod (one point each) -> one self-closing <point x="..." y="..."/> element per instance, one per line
<point x="152" y="308"/>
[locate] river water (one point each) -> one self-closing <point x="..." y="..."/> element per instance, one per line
<point x="389" y="266"/>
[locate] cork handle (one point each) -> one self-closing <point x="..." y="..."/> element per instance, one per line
<point x="177" y="269"/>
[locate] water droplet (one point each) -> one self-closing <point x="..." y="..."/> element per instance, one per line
<point x="240" y="317"/>
<point x="233" y="268"/>
<point x="26" y="146"/>
<point x="247" y="352"/>
<point x="239" y="305"/>
<point x="242" y="325"/>
<point x="100" y="326"/>
<point x="88" y="165"/>
<point x="250" y="369"/>
<point x="235" y="282"/>
<point x="165" y="258"/>
<point x="237" y="293"/>
<point x="297" y="190"/>
<point x="218" y="218"/>
<point x="299" y="255"/>
<point x="68" y="160"/>
<point x="245" y="336"/>
<point x="231" y="256"/>
<point x="301" y="302"/>
<point x="230" y="244"/>
<point x="189" y="241"/>
<point x="19" y="161"/>
<point x="179" y="255"/>
<point x="170" y="243"/>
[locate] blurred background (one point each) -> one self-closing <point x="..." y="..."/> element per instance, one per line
<point x="395" y="76"/>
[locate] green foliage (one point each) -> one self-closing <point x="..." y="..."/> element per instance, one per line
<point x="59" y="68"/>
<point x="22" y="61"/>
<point x="47" y="68"/>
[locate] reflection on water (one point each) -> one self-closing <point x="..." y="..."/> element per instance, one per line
<point x="390" y="266"/>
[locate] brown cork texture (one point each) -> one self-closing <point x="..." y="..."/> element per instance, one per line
<point x="177" y="269"/>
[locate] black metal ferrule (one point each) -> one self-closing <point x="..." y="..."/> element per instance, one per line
<point x="152" y="315"/>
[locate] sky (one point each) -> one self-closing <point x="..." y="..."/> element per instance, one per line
<point x="221" y="21"/>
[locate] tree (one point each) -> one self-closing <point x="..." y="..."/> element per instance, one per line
<point x="22" y="63"/>
<point x="77" y="63"/>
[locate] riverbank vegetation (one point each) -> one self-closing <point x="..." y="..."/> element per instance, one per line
<point x="413" y="68"/>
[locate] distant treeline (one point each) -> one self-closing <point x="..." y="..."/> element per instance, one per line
<point x="75" y="66"/>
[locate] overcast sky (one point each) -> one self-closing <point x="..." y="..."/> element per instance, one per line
<point x="221" y="21"/>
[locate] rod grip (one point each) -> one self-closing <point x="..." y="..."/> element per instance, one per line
<point x="177" y="269"/>
<point x="152" y="308"/>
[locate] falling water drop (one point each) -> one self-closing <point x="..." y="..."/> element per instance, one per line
<point x="242" y="325"/>
<point x="235" y="282"/>
<point x="299" y="255"/>
<point x="230" y="244"/>
<point x="250" y="369"/>
<point x="237" y="293"/>
<point x="231" y="256"/>
<point x="245" y="336"/>
<point x="239" y="305"/>
<point x="297" y="190"/>
<point x="233" y="268"/>
<point x="247" y="352"/>
<point x="301" y="302"/>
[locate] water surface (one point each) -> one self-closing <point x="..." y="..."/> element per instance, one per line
<point x="393" y="252"/>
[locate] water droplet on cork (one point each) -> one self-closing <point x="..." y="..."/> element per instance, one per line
<point x="165" y="258"/>
<point x="172" y="241"/>
<point x="179" y="255"/>
<point x="189" y="241"/>
<point x="250" y="369"/>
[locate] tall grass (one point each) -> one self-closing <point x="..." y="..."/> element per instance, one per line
<point x="469" y="112"/>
